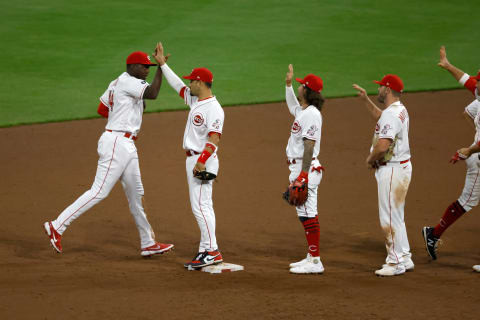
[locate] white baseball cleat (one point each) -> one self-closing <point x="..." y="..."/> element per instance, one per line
<point x="476" y="267"/>
<point x="312" y="265"/>
<point x="390" y="270"/>
<point x="409" y="266"/>
<point x="299" y="263"/>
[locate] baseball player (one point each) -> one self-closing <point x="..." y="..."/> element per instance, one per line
<point x="471" y="191"/>
<point x="123" y="103"/>
<point x="302" y="150"/>
<point x="390" y="157"/>
<point x="200" y="141"/>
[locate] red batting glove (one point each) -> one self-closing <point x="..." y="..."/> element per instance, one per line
<point x="457" y="156"/>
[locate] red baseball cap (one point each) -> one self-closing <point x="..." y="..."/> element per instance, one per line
<point x="139" y="57"/>
<point x="391" y="81"/>
<point x="312" y="81"/>
<point x="202" y="74"/>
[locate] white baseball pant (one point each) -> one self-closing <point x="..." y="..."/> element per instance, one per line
<point x="471" y="190"/>
<point x="393" y="180"/>
<point x="201" y="201"/>
<point x="309" y="209"/>
<point x="118" y="159"/>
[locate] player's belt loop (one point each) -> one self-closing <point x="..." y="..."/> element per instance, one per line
<point x="191" y="153"/>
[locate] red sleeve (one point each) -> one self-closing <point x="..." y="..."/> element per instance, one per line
<point x="213" y="132"/>
<point x="471" y="84"/>
<point x="182" y="92"/>
<point x="102" y="110"/>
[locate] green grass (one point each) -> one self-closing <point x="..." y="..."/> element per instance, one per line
<point x="57" y="57"/>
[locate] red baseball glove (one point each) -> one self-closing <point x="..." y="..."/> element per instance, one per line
<point x="297" y="191"/>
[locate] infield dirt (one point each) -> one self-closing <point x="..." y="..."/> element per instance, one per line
<point x="101" y="275"/>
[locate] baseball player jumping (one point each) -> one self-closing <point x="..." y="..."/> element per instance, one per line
<point x="123" y="103"/>
<point x="390" y="156"/>
<point x="471" y="191"/>
<point x="305" y="170"/>
<point x="200" y="141"/>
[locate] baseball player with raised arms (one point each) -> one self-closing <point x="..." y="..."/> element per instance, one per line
<point x="200" y="141"/>
<point x="123" y="104"/>
<point x="302" y="150"/>
<point x="390" y="156"/>
<point x="471" y="191"/>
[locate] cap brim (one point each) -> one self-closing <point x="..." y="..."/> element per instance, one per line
<point x="188" y="77"/>
<point x="378" y="82"/>
<point x="300" y="80"/>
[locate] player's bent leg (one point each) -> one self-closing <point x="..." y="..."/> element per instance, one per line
<point x="471" y="191"/>
<point x="109" y="169"/>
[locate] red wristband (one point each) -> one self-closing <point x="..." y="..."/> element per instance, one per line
<point x="303" y="175"/>
<point x="204" y="156"/>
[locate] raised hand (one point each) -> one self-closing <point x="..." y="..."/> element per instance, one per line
<point x="159" y="54"/>
<point x="360" y="91"/>
<point x="443" y="62"/>
<point x="289" y="77"/>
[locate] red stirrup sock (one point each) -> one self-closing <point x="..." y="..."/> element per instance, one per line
<point x="312" y="233"/>
<point x="452" y="213"/>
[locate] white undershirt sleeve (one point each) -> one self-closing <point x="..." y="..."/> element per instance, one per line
<point x="173" y="80"/>
<point x="292" y="101"/>
<point x="464" y="79"/>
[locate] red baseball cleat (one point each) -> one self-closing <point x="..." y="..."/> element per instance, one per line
<point x="54" y="236"/>
<point x="157" y="248"/>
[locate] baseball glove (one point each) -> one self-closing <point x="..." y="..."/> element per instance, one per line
<point x="204" y="175"/>
<point x="296" y="194"/>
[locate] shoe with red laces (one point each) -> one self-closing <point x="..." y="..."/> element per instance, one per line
<point x="203" y="259"/>
<point x="54" y="236"/>
<point x="157" y="248"/>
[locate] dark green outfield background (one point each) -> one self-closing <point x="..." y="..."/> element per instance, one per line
<point x="57" y="57"/>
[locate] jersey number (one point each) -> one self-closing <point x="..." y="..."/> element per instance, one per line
<point x="110" y="100"/>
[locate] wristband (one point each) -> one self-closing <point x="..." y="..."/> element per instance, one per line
<point x="206" y="154"/>
<point x="303" y="175"/>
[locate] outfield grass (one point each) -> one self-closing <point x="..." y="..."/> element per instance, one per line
<point x="58" y="57"/>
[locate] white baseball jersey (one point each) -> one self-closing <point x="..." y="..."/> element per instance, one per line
<point x="393" y="124"/>
<point x="307" y="124"/>
<point x="205" y="116"/>
<point x="474" y="107"/>
<point x="124" y="98"/>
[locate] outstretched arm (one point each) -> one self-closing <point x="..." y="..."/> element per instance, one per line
<point x="375" y="111"/>
<point x="445" y="64"/>
<point x="173" y="80"/>
<point x="152" y="90"/>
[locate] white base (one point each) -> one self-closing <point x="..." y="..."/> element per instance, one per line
<point x="222" y="267"/>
